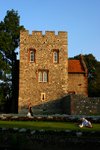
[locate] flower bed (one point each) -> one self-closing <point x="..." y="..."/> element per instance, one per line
<point x="52" y="118"/>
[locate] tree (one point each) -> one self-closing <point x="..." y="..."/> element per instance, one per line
<point x="9" y="41"/>
<point x="9" y="36"/>
<point x="93" y="67"/>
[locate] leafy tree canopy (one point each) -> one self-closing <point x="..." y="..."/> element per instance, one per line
<point x="93" y="67"/>
<point x="9" y="41"/>
<point x="9" y="34"/>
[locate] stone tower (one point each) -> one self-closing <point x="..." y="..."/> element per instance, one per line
<point x="43" y="71"/>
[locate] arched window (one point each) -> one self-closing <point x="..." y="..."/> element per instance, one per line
<point x="55" y="56"/>
<point x="32" y="56"/>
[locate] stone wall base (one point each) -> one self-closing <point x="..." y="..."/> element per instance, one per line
<point x="71" y="105"/>
<point x="44" y="142"/>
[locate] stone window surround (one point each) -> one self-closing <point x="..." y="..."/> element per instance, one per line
<point x="32" y="56"/>
<point x="29" y="55"/>
<point x="43" y="71"/>
<point x="55" y="50"/>
<point x="43" y="96"/>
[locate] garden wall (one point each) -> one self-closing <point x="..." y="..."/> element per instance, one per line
<point x="79" y="104"/>
<point x="24" y="141"/>
<point x="71" y="105"/>
<point x="52" y="107"/>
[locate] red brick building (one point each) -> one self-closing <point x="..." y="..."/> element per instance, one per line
<point x="77" y="77"/>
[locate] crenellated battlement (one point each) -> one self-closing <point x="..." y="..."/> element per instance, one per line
<point x="38" y="37"/>
<point x="26" y="32"/>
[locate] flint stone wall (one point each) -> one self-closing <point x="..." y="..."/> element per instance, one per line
<point x="36" y="142"/>
<point x="79" y="104"/>
<point x="77" y="82"/>
<point x="59" y="106"/>
<point x="30" y="90"/>
<point x="52" y="107"/>
<point x="71" y="105"/>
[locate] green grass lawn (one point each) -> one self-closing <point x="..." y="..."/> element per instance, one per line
<point x="32" y="125"/>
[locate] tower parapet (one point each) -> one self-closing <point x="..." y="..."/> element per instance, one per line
<point x="38" y="37"/>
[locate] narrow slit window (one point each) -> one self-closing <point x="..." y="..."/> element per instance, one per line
<point x="55" y="57"/>
<point x="43" y="96"/>
<point x="32" y="56"/>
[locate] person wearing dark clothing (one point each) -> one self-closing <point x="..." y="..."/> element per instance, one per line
<point x="30" y="109"/>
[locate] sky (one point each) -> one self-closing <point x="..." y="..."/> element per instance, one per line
<point x="80" y="18"/>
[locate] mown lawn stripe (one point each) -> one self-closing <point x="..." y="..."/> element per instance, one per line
<point x="36" y="125"/>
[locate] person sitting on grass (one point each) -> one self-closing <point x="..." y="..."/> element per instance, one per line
<point x="85" y="123"/>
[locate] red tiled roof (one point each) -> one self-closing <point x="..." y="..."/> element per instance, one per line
<point x="75" y="66"/>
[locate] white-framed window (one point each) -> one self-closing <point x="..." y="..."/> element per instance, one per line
<point x="55" y="57"/>
<point x="42" y="76"/>
<point x="32" y="56"/>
